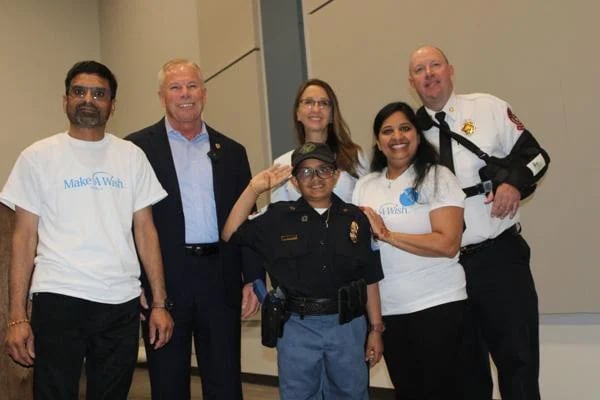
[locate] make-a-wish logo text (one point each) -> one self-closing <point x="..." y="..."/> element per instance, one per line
<point x="392" y="209"/>
<point x="98" y="181"/>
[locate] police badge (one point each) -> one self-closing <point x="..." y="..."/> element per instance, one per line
<point x="354" y="232"/>
<point x="468" y="127"/>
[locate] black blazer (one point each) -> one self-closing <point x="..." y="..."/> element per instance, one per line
<point x="231" y="174"/>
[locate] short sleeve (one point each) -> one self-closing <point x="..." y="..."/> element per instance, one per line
<point x="442" y="189"/>
<point x="23" y="187"/>
<point x="148" y="190"/>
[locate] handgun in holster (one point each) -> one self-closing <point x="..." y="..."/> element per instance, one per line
<point x="352" y="300"/>
<point x="273" y="316"/>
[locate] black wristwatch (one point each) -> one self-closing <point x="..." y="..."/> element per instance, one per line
<point x="167" y="305"/>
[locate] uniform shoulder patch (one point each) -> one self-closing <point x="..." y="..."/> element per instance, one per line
<point x="515" y="120"/>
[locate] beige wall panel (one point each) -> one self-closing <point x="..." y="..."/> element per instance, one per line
<point x="235" y="106"/>
<point x="138" y="37"/>
<point x="537" y="55"/>
<point x="39" y="42"/>
<point x="226" y="30"/>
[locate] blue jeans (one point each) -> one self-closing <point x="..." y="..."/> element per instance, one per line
<point x="320" y="359"/>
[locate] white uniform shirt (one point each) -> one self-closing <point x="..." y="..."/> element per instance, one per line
<point x="85" y="194"/>
<point x="343" y="188"/>
<point x="411" y="282"/>
<point x="495" y="130"/>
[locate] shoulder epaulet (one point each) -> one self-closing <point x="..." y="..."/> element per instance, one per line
<point x="283" y="205"/>
<point x="349" y="209"/>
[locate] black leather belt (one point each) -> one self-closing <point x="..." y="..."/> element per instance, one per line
<point x="202" y="250"/>
<point x="311" y="306"/>
<point x="474" y="248"/>
<point x="481" y="188"/>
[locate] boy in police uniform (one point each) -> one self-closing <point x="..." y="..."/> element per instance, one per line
<point x="315" y="248"/>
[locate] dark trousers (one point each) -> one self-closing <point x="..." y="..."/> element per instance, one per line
<point x="200" y="313"/>
<point x="502" y="320"/>
<point x="421" y="352"/>
<point x="67" y="330"/>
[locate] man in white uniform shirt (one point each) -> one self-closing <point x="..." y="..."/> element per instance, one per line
<point x="494" y="255"/>
<point x="77" y="195"/>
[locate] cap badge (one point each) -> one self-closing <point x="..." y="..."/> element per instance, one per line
<point x="307" y="148"/>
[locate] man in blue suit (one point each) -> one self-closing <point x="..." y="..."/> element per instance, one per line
<point x="204" y="173"/>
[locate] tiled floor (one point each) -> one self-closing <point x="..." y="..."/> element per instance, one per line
<point x="140" y="389"/>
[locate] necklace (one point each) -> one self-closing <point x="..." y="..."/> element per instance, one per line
<point x="389" y="180"/>
<point x="327" y="219"/>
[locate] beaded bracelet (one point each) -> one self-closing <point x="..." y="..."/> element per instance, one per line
<point x="17" y="322"/>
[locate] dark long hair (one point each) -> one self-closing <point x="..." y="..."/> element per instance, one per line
<point x="426" y="155"/>
<point x="338" y="133"/>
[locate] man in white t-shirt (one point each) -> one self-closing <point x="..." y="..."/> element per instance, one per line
<point x="502" y="294"/>
<point x="80" y="198"/>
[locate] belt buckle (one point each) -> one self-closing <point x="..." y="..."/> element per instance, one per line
<point x="487" y="186"/>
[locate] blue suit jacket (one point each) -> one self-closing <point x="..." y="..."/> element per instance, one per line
<point x="231" y="174"/>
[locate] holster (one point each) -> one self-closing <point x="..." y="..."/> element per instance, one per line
<point x="273" y="316"/>
<point x="352" y="300"/>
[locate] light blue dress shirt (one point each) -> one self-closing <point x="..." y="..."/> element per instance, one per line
<point x="194" y="173"/>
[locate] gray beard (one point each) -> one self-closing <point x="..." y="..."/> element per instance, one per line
<point x="86" y="119"/>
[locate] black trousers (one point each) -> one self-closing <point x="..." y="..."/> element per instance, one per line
<point x="67" y="330"/>
<point x="200" y="314"/>
<point x="503" y="321"/>
<point x="421" y="352"/>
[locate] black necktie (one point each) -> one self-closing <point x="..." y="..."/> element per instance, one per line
<point x="445" y="141"/>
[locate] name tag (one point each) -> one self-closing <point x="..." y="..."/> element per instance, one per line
<point x="287" y="238"/>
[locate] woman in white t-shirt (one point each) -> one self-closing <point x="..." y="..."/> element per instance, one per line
<point x="415" y="207"/>
<point x="317" y="118"/>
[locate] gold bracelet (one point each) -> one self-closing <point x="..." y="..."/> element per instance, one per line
<point x="253" y="188"/>
<point x="17" y="322"/>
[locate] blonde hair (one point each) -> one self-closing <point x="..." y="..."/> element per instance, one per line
<point x="175" y="62"/>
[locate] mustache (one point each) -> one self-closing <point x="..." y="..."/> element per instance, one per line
<point x="86" y="105"/>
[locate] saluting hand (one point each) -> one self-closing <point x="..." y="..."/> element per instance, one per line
<point x="270" y="177"/>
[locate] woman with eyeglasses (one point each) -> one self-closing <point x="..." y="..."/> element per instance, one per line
<point x="317" y="118"/>
<point x="415" y="207"/>
<point x="318" y="251"/>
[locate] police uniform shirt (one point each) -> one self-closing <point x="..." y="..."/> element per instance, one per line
<point x="310" y="254"/>
<point x="488" y="122"/>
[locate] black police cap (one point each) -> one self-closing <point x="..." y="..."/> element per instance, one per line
<point x="320" y="151"/>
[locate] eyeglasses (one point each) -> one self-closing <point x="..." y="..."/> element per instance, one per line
<point x="323" y="172"/>
<point x="310" y="103"/>
<point x="97" y="93"/>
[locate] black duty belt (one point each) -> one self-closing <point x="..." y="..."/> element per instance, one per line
<point x="202" y="250"/>
<point x="474" y="248"/>
<point x="481" y="188"/>
<point x="311" y="306"/>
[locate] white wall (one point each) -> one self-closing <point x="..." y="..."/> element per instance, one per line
<point x="139" y="36"/>
<point x="39" y="42"/>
